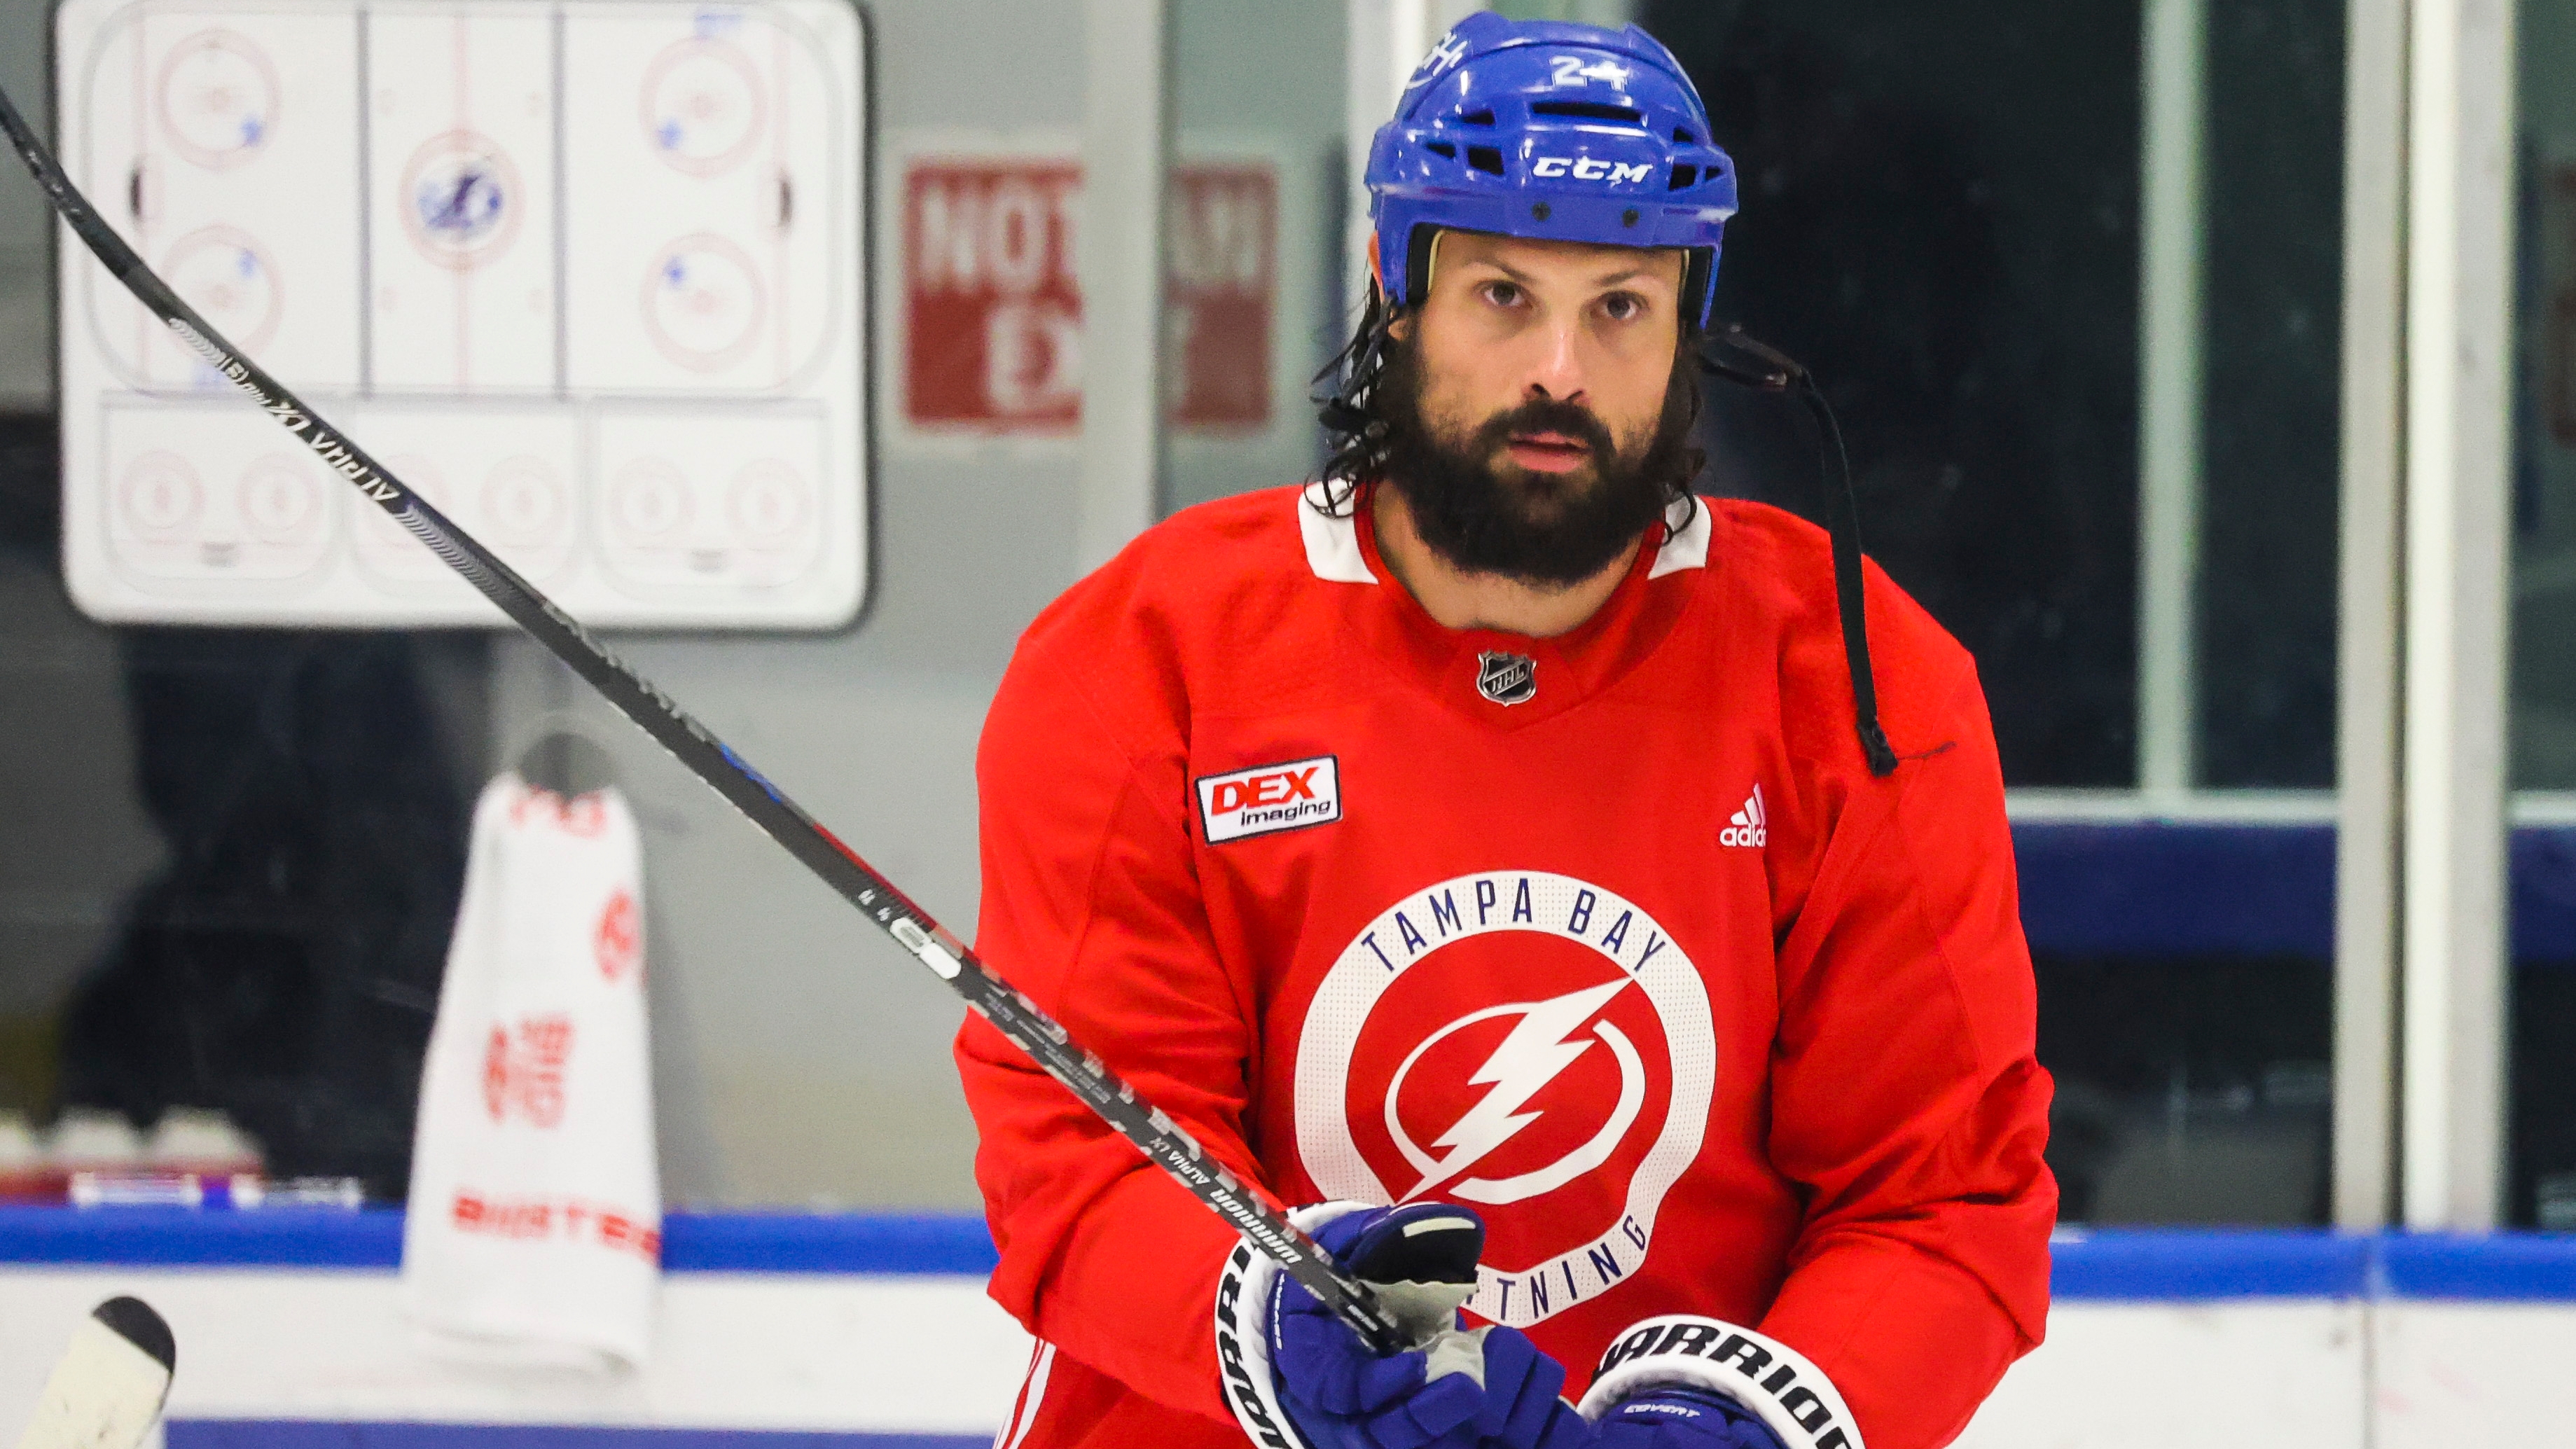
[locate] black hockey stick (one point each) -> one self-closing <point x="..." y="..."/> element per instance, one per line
<point x="1032" y="1030"/>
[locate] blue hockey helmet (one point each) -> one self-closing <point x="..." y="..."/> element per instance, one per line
<point x="1554" y="131"/>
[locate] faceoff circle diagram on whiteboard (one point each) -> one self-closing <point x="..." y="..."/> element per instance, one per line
<point x="703" y="106"/>
<point x="703" y="302"/>
<point x="162" y="497"/>
<point x="461" y="200"/>
<point x="218" y="98"/>
<point x="524" y="503"/>
<point x="768" y="501"/>
<point x="649" y="501"/>
<point x="280" y="500"/>
<point x="229" y="278"/>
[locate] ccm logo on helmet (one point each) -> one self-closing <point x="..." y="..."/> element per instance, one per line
<point x="1590" y="168"/>
<point x="1289" y="796"/>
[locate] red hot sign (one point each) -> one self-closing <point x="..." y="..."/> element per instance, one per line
<point x="992" y="322"/>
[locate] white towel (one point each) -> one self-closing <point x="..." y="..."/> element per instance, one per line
<point x="535" y="1229"/>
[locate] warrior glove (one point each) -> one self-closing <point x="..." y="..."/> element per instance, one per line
<point x="1687" y="1382"/>
<point x="1300" y="1378"/>
<point x="1674" y="1417"/>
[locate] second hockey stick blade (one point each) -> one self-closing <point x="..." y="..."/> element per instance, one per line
<point x="108" y="1389"/>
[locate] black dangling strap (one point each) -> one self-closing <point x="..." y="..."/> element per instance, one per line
<point x="1767" y="369"/>
<point x="1842" y="507"/>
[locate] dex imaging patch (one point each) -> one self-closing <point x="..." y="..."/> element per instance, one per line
<point x="1288" y="796"/>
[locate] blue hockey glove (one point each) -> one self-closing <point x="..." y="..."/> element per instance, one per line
<point x="1486" y="1388"/>
<point x="1684" y="1381"/>
<point x="1678" y="1417"/>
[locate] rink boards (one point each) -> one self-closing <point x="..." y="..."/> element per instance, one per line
<point x="872" y="1332"/>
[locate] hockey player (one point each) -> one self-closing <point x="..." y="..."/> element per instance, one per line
<point x="1477" y="846"/>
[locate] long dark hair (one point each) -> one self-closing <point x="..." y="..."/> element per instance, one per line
<point x="1352" y="408"/>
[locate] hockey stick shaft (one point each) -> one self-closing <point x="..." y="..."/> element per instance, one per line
<point x="1161" y="1140"/>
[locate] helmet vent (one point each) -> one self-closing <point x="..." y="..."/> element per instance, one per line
<point x="1589" y="110"/>
<point x="1486" y="158"/>
<point x="1442" y="148"/>
<point x="1683" y="136"/>
<point x="1477" y="118"/>
<point x="1683" y="175"/>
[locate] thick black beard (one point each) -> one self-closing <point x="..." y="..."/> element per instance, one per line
<point x="1546" y="530"/>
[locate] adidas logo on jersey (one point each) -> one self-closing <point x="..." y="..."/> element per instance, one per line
<point x="1749" y="826"/>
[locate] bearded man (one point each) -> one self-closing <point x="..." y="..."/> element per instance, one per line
<point x="1517" y="861"/>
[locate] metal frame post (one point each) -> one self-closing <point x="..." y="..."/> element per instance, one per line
<point x="2174" y="75"/>
<point x="1126" y="162"/>
<point x="2368" y="641"/>
<point x="2459" y="377"/>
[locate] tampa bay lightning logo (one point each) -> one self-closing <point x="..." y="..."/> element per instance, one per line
<point x="1451" y="48"/>
<point x="463" y="200"/>
<point x="462" y="203"/>
<point x="1532" y="1043"/>
<point x="1546" y="1038"/>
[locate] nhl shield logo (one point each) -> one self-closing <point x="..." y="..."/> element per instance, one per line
<point x="1506" y="678"/>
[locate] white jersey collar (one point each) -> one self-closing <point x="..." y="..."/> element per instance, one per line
<point x="1686" y="543"/>
<point x="1333" y="544"/>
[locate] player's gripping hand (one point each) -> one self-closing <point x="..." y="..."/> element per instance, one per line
<point x="1456" y="1388"/>
<point x="1682" y="1417"/>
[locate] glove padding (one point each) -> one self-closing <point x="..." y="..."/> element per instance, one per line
<point x="1678" y="1417"/>
<point x="1691" y="1370"/>
<point x="1485" y="1388"/>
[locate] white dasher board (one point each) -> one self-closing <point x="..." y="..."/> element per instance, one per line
<point x="588" y="274"/>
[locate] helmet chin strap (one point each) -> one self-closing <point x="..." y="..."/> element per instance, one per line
<point x="1729" y="353"/>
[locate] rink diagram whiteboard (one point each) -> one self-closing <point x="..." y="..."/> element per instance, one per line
<point x="588" y="274"/>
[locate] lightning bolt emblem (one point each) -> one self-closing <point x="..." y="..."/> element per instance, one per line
<point x="1443" y="55"/>
<point x="1536" y="1052"/>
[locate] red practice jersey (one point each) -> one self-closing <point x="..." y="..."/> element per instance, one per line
<point x="1611" y="937"/>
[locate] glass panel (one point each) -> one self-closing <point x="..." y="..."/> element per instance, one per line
<point x="2273" y="308"/>
<point x="2540" y="1178"/>
<point x="2541" y="1117"/>
<point x="2190" y="1088"/>
<point x="26" y="313"/>
<point x="2544" y="498"/>
<point x="236" y="859"/>
<point x="1943" y="221"/>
